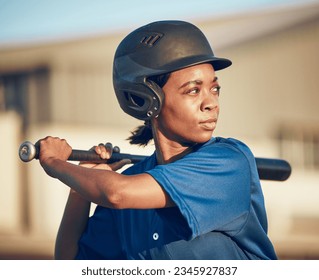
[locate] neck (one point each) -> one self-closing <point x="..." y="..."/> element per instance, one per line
<point x="167" y="150"/>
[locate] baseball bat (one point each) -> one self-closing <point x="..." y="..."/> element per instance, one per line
<point x="268" y="168"/>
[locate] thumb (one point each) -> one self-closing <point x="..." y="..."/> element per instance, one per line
<point x="119" y="164"/>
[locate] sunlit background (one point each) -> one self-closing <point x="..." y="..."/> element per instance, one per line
<point x="56" y="79"/>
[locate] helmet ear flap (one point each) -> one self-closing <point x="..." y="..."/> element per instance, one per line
<point x="157" y="95"/>
<point x="142" y="101"/>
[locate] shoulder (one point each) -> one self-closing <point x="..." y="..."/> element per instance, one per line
<point x="148" y="163"/>
<point x="222" y="148"/>
<point x="227" y="143"/>
<point x="219" y="157"/>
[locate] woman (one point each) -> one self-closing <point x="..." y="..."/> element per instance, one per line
<point x="197" y="196"/>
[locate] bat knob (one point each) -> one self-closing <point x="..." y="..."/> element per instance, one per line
<point x="27" y="151"/>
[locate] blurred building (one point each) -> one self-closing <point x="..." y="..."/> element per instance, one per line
<point x="269" y="99"/>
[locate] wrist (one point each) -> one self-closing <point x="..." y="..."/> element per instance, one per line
<point x="49" y="165"/>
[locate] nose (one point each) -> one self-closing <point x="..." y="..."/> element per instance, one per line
<point x="210" y="101"/>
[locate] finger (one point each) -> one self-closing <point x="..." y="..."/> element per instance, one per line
<point x="119" y="164"/>
<point x="104" y="151"/>
<point x="99" y="148"/>
<point x="107" y="150"/>
<point x="109" y="147"/>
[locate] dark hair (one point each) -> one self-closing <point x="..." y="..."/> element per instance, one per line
<point x="142" y="134"/>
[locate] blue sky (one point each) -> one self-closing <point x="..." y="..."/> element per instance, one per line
<point x="27" y="21"/>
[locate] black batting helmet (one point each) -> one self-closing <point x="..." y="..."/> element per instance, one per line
<point x="154" y="49"/>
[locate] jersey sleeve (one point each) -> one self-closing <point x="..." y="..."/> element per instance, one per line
<point x="211" y="187"/>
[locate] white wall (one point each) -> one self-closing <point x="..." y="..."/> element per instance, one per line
<point x="10" y="174"/>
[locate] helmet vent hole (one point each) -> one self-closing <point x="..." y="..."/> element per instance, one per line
<point x="150" y="40"/>
<point x="134" y="100"/>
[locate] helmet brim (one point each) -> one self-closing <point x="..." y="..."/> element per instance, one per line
<point x="217" y="62"/>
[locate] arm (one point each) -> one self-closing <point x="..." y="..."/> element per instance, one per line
<point x="73" y="223"/>
<point x="75" y="217"/>
<point x="104" y="187"/>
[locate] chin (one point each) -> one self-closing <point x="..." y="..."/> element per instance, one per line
<point x="204" y="137"/>
<point x="202" y="141"/>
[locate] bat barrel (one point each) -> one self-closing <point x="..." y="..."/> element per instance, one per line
<point x="273" y="169"/>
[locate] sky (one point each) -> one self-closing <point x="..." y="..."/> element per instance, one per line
<point x="36" y="21"/>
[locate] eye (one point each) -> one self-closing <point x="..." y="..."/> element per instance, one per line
<point x="216" y="89"/>
<point x="193" y="91"/>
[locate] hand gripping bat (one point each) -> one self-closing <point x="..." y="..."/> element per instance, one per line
<point x="268" y="168"/>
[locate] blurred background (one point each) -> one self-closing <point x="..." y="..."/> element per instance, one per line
<point x="56" y="79"/>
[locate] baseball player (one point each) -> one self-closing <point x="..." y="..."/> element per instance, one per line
<point x="197" y="197"/>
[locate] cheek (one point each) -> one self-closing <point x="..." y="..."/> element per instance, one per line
<point x="180" y="113"/>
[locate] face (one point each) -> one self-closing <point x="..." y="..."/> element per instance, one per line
<point x="191" y="107"/>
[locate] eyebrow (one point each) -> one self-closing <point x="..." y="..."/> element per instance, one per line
<point x="196" y="82"/>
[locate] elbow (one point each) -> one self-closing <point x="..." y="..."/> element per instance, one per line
<point x="115" y="200"/>
<point x="110" y="193"/>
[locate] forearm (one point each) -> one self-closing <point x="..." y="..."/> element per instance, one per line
<point x="72" y="225"/>
<point x="109" y="188"/>
<point x="96" y="185"/>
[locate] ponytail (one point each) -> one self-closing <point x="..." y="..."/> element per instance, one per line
<point x="142" y="135"/>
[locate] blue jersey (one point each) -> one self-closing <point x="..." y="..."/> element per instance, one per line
<point x="219" y="213"/>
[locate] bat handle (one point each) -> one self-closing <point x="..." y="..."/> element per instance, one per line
<point x="29" y="151"/>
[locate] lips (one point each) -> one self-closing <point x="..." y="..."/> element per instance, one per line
<point x="209" y="124"/>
